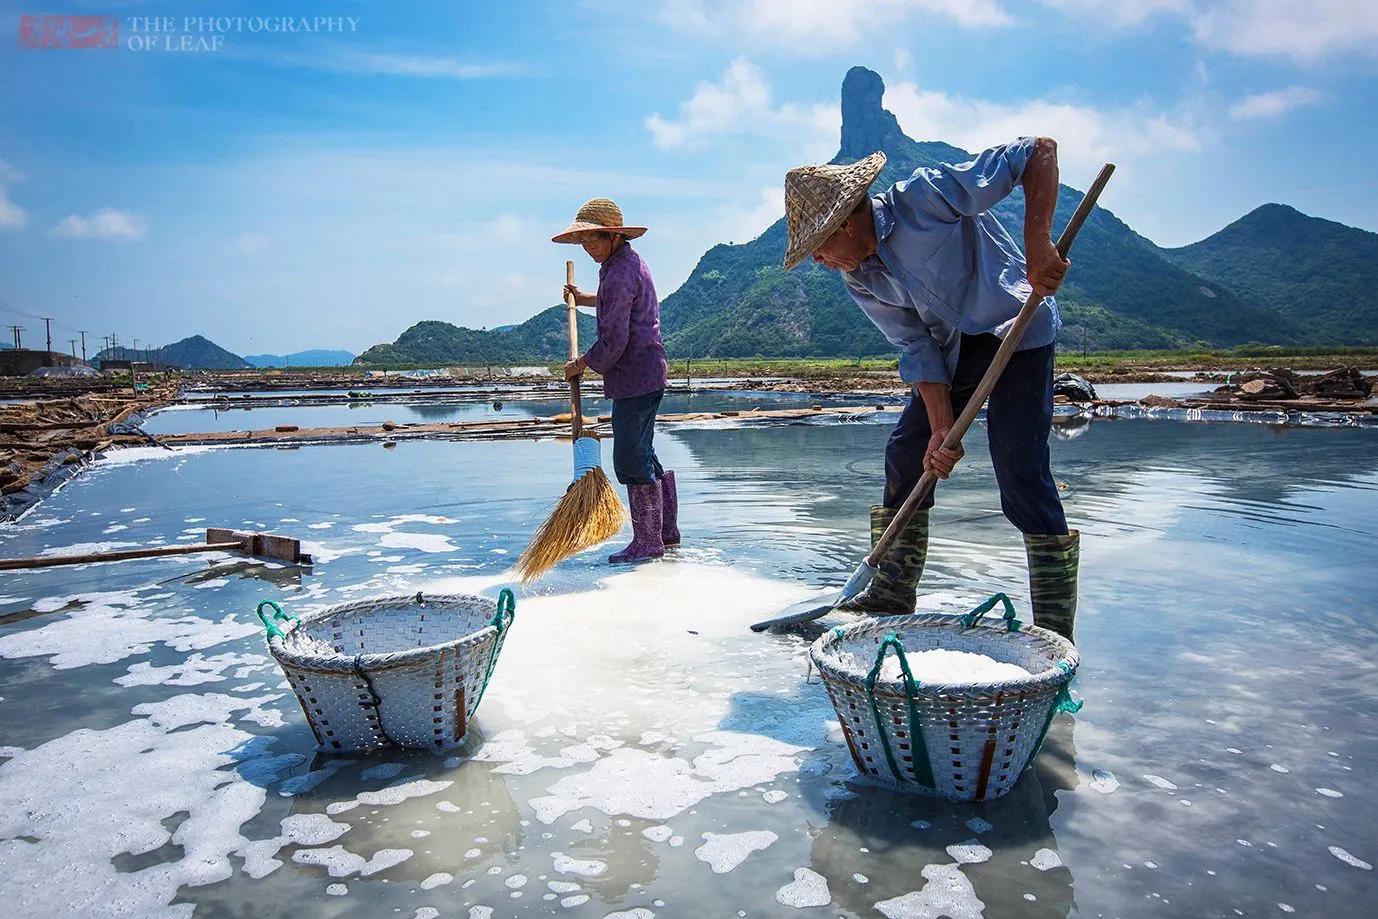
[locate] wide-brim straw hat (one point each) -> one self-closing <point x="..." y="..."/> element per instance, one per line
<point x="600" y="215"/>
<point x="819" y="198"/>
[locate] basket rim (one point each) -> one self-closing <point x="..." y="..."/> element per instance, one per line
<point x="375" y="661"/>
<point x="1055" y="676"/>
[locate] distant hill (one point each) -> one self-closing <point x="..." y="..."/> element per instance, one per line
<point x="541" y="339"/>
<point x="194" y="353"/>
<point x="316" y="357"/>
<point x="1124" y="292"/>
<point x="1319" y="273"/>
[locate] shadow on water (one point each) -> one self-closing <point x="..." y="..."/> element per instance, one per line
<point x="888" y="835"/>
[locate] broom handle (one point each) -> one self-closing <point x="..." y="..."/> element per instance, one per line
<point x="997" y="365"/>
<point x="576" y="404"/>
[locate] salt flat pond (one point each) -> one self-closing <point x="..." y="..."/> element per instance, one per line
<point x="639" y="752"/>
<point x="191" y="418"/>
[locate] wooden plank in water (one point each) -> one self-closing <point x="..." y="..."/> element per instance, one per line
<point x="52" y="561"/>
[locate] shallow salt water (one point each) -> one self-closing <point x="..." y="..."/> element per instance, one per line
<point x="640" y="753"/>
<point x="192" y="418"/>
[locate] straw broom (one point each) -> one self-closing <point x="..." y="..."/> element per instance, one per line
<point x="589" y="512"/>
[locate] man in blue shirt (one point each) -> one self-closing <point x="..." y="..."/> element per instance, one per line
<point x="943" y="280"/>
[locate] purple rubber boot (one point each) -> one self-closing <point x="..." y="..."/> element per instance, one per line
<point x="647" y="520"/>
<point x="669" y="504"/>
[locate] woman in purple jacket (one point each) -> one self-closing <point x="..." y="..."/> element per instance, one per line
<point x="631" y="359"/>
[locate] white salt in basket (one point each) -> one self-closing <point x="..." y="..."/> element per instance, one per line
<point x="405" y="671"/>
<point x="960" y="741"/>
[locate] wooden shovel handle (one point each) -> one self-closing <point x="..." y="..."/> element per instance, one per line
<point x="576" y="402"/>
<point x="978" y="398"/>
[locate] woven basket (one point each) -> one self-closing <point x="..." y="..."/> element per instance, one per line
<point x="405" y="671"/>
<point x="965" y="741"/>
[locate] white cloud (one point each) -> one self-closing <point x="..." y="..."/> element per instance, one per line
<point x="413" y="65"/>
<point x="382" y="63"/>
<point x="106" y="223"/>
<point x="1120" y="13"/>
<point x="1272" y="104"/>
<point x="740" y="103"/>
<point x="505" y="229"/>
<point x="12" y="216"/>
<point x="1304" y="31"/>
<point x="820" y="27"/>
<point x="746" y="221"/>
<point x="1087" y="136"/>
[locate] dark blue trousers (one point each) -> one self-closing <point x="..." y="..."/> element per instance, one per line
<point x="633" y="425"/>
<point x="1019" y="417"/>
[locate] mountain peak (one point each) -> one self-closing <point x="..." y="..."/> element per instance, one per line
<point x="866" y="125"/>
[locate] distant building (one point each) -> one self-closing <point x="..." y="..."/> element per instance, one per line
<point x="110" y="363"/>
<point x="24" y="361"/>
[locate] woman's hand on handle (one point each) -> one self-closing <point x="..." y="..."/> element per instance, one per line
<point x="580" y="297"/>
<point x="575" y="368"/>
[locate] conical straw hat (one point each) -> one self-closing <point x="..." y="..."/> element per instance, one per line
<point x="819" y="198"/>
<point x="601" y="215"/>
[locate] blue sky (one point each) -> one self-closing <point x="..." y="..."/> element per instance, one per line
<point x="295" y="190"/>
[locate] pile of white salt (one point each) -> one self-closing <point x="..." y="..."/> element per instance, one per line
<point x="940" y="665"/>
<point x="302" y="643"/>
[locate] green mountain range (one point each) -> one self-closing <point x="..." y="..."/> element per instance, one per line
<point x="1124" y="291"/>
<point x="194" y="353"/>
<point x="540" y="340"/>
<point x="315" y="357"/>
<point x="1317" y="271"/>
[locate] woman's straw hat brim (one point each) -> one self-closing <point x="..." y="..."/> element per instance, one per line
<point x="598" y="215"/>
<point x="819" y="199"/>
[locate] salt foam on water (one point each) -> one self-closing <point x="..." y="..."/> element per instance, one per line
<point x="809" y="888"/>
<point x="939" y="665"/>
<point x="725" y="851"/>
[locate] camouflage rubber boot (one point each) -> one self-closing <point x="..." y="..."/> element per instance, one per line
<point x="893" y="590"/>
<point x="1053" y="580"/>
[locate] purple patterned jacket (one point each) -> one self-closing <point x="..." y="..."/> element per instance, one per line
<point x="628" y="352"/>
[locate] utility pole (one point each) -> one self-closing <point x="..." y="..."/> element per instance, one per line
<point x="74" y="347"/>
<point x="83" y="345"/>
<point x="48" y="322"/>
<point x="16" y="329"/>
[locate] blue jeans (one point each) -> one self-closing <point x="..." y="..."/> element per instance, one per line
<point x="633" y="425"/>
<point x="1019" y="418"/>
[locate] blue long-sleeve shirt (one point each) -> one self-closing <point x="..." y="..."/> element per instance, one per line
<point x="944" y="265"/>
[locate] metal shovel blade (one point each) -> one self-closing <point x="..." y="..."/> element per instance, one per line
<point x="810" y="609"/>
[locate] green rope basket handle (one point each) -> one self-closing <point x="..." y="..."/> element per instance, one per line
<point x="1014" y="625"/>
<point x="502" y="621"/>
<point x="1062" y="702"/>
<point x="279" y="615"/>
<point x="923" y="769"/>
<point x="507" y="606"/>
